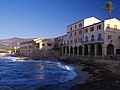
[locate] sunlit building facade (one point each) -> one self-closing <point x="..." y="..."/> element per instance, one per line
<point x="92" y="37"/>
<point x="35" y="46"/>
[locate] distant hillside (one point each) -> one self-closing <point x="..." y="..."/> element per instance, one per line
<point x="7" y="43"/>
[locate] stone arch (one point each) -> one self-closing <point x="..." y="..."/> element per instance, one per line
<point x="64" y="50"/>
<point x="92" y="50"/>
<point x="80" y="50"/>
<point x="71" y="50"/>
<point x="99" y="49"/>
<point x="110" y="49"/>
<point x="67" y="47"/>
<point x="86" y="50"/>
<point x="75" y="50"/>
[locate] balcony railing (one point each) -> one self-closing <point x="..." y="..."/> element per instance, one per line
<point x="65" y="44"/>
<point x="93" y="41"/>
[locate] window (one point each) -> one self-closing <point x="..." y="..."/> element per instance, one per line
<point x="119" y="38"/>
<point x="75" y="26"/>
<point x="43" y="44"/>
<point x="37" y="45"/>
<point x="80" y="32"/>
<point x="98" y="27"/>
<point x="61" y="44"/>
<point x="80" y="25"/>
<point x="118" y="51"/>
<point x="71" y="34"/>
<point x="67" y="42"/>
<point x="75" y="33"/>
<point x="80" y="40"/>
<point x="30" y="46"/>
<point x="99" y="37"/>
<point x="109" y="36"/>
<point x="108" y="26"/>
<point x="86" y="39"/>
<point x="25" y="47"/>
<point x="64" y="43"/>
<point x="91" y="29"/>
<point x="115" y="27"/>
<point x="29" y="50"/>
<point x="92" y="38"/>
<point x="86" y="30"/>
<point x="75" y="41"/>
<point x="49" y="44"/>
<point x="70" y="28"/>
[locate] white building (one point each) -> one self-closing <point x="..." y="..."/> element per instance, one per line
<point x="75" y="33"/>
<point x="93" y="37"/>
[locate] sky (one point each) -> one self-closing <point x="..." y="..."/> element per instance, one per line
<point x="48" y="18"/>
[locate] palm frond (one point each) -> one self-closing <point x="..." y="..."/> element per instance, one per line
<point x="109" y="6"/>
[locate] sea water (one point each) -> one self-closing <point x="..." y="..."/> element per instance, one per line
<point x="36" y="74"/>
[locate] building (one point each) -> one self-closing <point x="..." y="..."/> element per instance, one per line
<point x="60" y="41"/>
<point x="35" y="46"/>
<point x="92" y="37"/>
<point x="46" y="44"/>
<point x="27" y="47"/>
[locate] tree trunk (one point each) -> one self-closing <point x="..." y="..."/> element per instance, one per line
<point x="110" y="15"/>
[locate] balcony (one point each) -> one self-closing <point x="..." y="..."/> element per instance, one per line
<point x="93" y="41"/>
<point x="65" y="44"/>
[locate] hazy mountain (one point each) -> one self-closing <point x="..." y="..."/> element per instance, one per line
<point x="7" y="43"/>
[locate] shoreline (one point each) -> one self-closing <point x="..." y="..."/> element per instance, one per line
<point x="101" y="77"/>
<point x="103" y="74"/>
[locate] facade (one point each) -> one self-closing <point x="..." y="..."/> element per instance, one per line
<point x="92" y="37"/>
<point x="26" y="48"/>
<point x="75" y="34"/>
<point x="35" y="46"/>
<point x="46" y="44"/>
<point x="60" y="41"/>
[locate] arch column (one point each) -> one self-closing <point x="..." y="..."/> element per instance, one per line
<point x="83" y="50"/>
<point x="73" y="52"/>
<point x="62" y="51"/>
<point x="104" y="51"/>
<point x="95" y="49"/>
<point x="114" y="51"/>
<point x="88" y="50"/>
<point x="77" y="51"/>
<point x="65" y="51"/>
<point x="69" y="51"/>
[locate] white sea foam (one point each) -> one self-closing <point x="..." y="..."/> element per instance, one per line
<point x="8" y="58"/>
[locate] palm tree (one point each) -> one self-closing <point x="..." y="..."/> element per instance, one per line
<point x="109" y="6"/>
